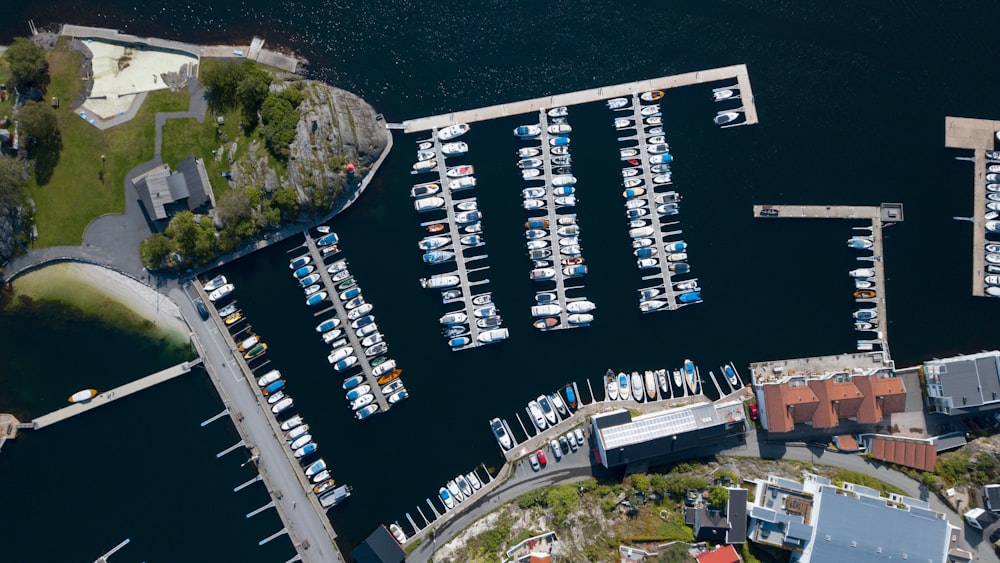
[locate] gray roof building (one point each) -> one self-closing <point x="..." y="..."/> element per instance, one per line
<point x="622" y="440"/>
<point x="721" y="526"/>
<point x="163" y="193"/>
<point x="379" y="547"/>
<point x="992" y="494"/>
<point x="963" y="383"/>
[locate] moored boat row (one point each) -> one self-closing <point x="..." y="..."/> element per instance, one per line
<point x="865" y="291"/>
<point x="991" y="277"/>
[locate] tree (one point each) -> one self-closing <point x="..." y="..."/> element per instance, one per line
<point x="562" y="499"/>
<point x="222" y="81"/>
<point x="718" y="496"/>
<point x="641" y="483"/>
<point x="13" y="175"/>
<point x="39" y="123"/>
<point x="184" y="231"/>
<point x="659" y="483"/>
<point x="280" y="123"/>
<point x="252" y="90"/>
<point x="286" y="200"/>
<point x="26" y="60"/>
<point x="154" y="250"/>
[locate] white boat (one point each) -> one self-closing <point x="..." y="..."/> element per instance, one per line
<point x="339" y="354"/>
<point x="566" y="200"/>
<point x="628" y="153"/>
<point x="492" y="335"/>
<point x="530" y="173"/>
<point x="636" y="203"/>
<point x="640" y="232"/>
<point x="655" y="120"/>
<point x="571" y="250"/>
<point x="469" y="205"/>
<point x="345" y="363"/>
<point x="580" y="319"/>
<point x="647" y="263"/>
<point x="653" y="109"/>
<point x="425" y="155"/>
<point x="460" y="184"/>
<point x="434" y="242"/>
<point x="302" y="440"/>
<point x="536" y="415"/>
<point x="423" y="190"/>
<point x="474" y="480"/>
<point x="362" y="401"/>
<point x="862" y="273"/>
<point x="455" y="149"/>
<point x="533" y="204"/>
<point x="362" y="310"/>
<point x="454" y="318"/>
<point x="452" y="131"/>
<point x="311" y="289"/>
<point x="658" y="148"/>
<point x="282" y="405"/>
<point x="651" y="305"/>
<point x="637" y="387"/>
<point x="623" y="387"/>
<point x="441" y="281"/>
<point x="424" y="165"/>
<point x="428" y="204"/>
<point x="993" y="291"/>
<point x="456" y="493"/>
<point x="83" y="396"/>
<point x="471" y="240"/>
<point x="221" y="292"/>
<point x="561" y="111"/>
<point x="727" y="117"/>
<point x="384" y="368"/>
<point x="860" y="243"/>
<point x="269" y="378"/>
<point x="662" y="179"/>
<point x="993" y="226"/>
<point x="563" y="180"/>
<point x="527" y="131"/>
<point x="548" y="310"/>
<point x="617" y="103"/>
<point x="561" y="150"/>
<point x="657" y="140"/>
<point x="215" y="283"/>
<point x="530" y="163"/>
<point x="539" y="274"/>
<point x="461" y="170"/>
<point x="466" y="217"/>
<point x="397" y="533"/>
<point x="316" y="468"/>
<point x="611" y="386"/>
<point x="464" y="486"/>
<point x="532" y="193"/>
<point x="560" y="129"/>
<point x="582" y="306"/>
<point x="527" y="152"/>
<point x="623" y="122"/>
<point x="446" y="498"/>
<point x="724" y="94"/>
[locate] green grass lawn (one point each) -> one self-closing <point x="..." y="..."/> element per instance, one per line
<point x="184" y="137"/>
<point x="78" y="192"/>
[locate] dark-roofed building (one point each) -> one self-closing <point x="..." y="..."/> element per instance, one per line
<point x="992" y="495"/>
<point x="823" y="400"/>
<point x="379" y="547"/>
<point x="963" y="383"/>
<point x="163" y="193"/>
<point x="720" y="526"/>
<point x="664" y="435"/>
<point x="918" y="453"/>
<point x="849" y="523"/>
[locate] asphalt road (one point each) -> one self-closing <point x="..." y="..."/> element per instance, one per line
<point x="298" y="510"/>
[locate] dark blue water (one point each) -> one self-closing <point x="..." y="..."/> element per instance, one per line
<point x="851" y="99"/>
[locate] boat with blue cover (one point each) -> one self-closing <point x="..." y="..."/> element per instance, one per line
<point x="327" y="240"/>
<point x="691" y="376"/>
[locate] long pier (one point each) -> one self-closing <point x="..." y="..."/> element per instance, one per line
<point x="352" y="337"/>
<point x="878" y="215"/>
<point x="977" y="135"/>
<point x="737" y="72"/>
<point x="462" y="266"/>
<point x="114" y="394"/>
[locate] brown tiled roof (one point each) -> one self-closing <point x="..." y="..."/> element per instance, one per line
<point x="724" y="554"/>
<point x="824" y="402"/>
<point x="847" y="443"/>
<point x="911" y="453"/>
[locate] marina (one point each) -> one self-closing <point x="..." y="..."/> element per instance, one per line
<point x="353" y="347"/>
<point x="876" y="319"/>
<point x="737" y="72"/>
<point x="978" y="135"/>
<point x="553" y="236"/>
<point x="460" y="234"/>
<point x="651" y="205"/>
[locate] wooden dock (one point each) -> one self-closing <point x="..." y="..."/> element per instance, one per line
<point x="114" y="394"/>
<point x="735" y="72"/>
<point x="977" y="135"/>
<point x="462" y="260"/>
<point x="364" y="362"/>
<point x="561" y="282"/>
<point x="877" y="215"/>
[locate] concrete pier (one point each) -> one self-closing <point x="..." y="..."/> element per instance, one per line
<point x="977" y="135"/>
<point x="116" y="393"/>
<point x="737" y="72"/>
<point x="462" y="269"/>
<point x="878" y="215"/>
<point x="333" y="295"/>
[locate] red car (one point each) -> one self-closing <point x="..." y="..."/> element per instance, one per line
<point x="541" y="457"/>
<point x="753" y="411"/>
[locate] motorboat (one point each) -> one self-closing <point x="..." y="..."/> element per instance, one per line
<point x="660" y="168"/>
<point x="346" y="363"/>
<point x="861" y="325"/>
<point x="397" y="533"/>
<point x="723" y="94"/>
<point x="652" y="96"/>
<point x="471" y="240"/>
<point x="862" y="273"/>
<point x="561" y="111"/>
<point x="465" y="183"/>
<point x="269" y="378"/>
<point x="657" y="140"/>
<point x="440" y="281"/>
<point x="424" y="190"/>
<point x="83" y="396"/>
<point x="446" y="498"/>
<point x="560" y="129"/>
<point x="650" y="305"/>
<point x="527" y="131"/>
<point x="572" y="261"/>
<point x="547" y="310"/>
<point x="610" y="386"/>
<point x="677" y="257"/>
<point x="362" y="401"/>
<point x="537" y="416"/>
<point x="568" y="231"/>
<point x="535" y="234"/>
<point x="560" y="150"/>
<point x="464" y="486"/>
<point x="577" y="271"/>
<point x="340" y="354"/>
<point x="303" y="439"/>
<point x="529" y="173"/>
<point x="451" y="331"/>
<point x="221" y="292"/>
<point x="532" y="193"/>
<point x="474" y="481"/>
<point x="490" y="322"/>
<point x="636" y="203"/>
<point x="648" y="293"/>
<point x="563" y="190"/>
<point x="632" y="182"/>
<point x="860" y="283"/>
<point x="650" y="110"/>
<point x="623" y="123"/>
<point x="384" y="368"/>
<point x="993" y="258"/>
<point x="459" y="341"/>
<point x="456" y="493"/>
<point x="559" y="141"/>
<point x="654" y="131"/>
<point x="530" y="163"/>
<point x="376" y="349"/>
<point x="424" y="165"/>
<point x="661" y="158"/>
<point x="864" y="294"/>
<point x="655" y="120"/>
<point x="455" y="149"/>
<point x="311" y="289"/>
<point x="636" y="213"/>
<point x="689" y="297"/>
<point x="628" y="153"/>
<point x="299" y="262"/>
<point x="860" y="243"/>
<point x="352" y="382"/>
<point x="309" y="280"/>
<point x="571" y="250"/>
<point x="660" y="148"/>
<point x="317" y="467"/>
<point x="303" y="271"/>
<point x="488" y="310"/>
<point x="546" y="323"/>
<point x="564" y="160"/>
<point x="630" y="172"/>
<point x="546" y="405"/>
<point x="358" y="391"/>
<point x="236" y="317"/>
<point x="640" y="232"/>
<point x="215" y="283"/>
<point x="686" y="285"/>
<point x="866" y="314"/>
<point x="255" y="352"/>
<point x="623" y="387"/>
<point x="540" y="274"/>
<point x="438" y="257"/>
<point x="563" y="180"/>
<point x="566" y="200"/>
<point x="306" y="450"/>
<point x="527" y="152"/>
<point x="336" y="496"/>
<point x="650" y="380"/>
<point x="617" y="103"/>
<point x="633" y="193"/>
<point x="993" y="226"/>
<point x="679" y="267"/>
<point x="469" y="205"/>
<point x="328" y="251"/>
<point x="456" y="317"/>
<point x="538" y="245"/>
<point x="327" y="240"/>
<point x="580" y="319"/>
<point x="273" y="388"/>
<point x="467" y="217"/>
<point x="433" y="242"/>
<point x="453" y="131"/>
<point x="282" y="405"/>
<point x="582" y="306"/>
<point x="493" y="335"/>
<point x="461" y="171"/>
<point x="365" y="412"/>
<point x="726" y="117"/>
<point x="661" y="179"/>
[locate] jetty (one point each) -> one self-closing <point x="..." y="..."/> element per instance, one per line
<point x="737" y="72"/>
<point x="879" y="216"/>
<point x="352" y="337"/>
<point x="463" y="262"/>
<point x="977" y="135"/>
<point x="114" y="394"/>
<point x="561" y="281"/>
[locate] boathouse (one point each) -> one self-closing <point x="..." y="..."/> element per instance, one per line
<point x="163" y="193"/>
<point x="666" y="435"/>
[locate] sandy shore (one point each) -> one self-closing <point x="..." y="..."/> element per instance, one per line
<point x="62" y="282"/>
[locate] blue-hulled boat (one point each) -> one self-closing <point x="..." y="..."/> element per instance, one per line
<point x="689" y="297"/>
<point x="315" y="299"/>
<point x="661" y="158"/>
<point x="327" y="240"/>
<point x="570" y="396"/>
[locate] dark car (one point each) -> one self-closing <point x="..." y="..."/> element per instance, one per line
<point x="202" y="309"/>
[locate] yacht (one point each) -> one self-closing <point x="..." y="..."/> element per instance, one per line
<point x="623" y="388"/>
<point x="528" y="152"/>
<point x="548" y="310"/>
<point x="362" y="401"/>
<point x="465" y="183"/>
<point x="582" y="306"/>
<point x="269" y="378"/>
<point x="650" y="305"/>
<point x="580" y="319"/>
<point x="306" y="450"/>
<point x="474" y="480"/>
<point x="428" y="204"/>
<point x="492" y="335"/>
<point x="358" y="392"/>
<point x="617" y="103"/>
<point x="336" y="496"/>
<point x="731" y="374"/>
<point x="424" y="166"/>
<point x="215" y="283"/>
<point x="441" y="281"/>
<point x="221" y="292"/>
<point x="317" y="467"/>
<point x="456" y="493"/>
<point x="660" y="148"/>
<point x="464" y="486"/>
<point x="453" y="131"/>
<point x="536" y="415"/>
<point x="340" y="354"/>
<point x="661" y="158"/>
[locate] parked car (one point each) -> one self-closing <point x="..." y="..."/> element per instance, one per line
<point x="533" y="460"/>
<point x="556" y="450"/>
<point x="572" y="441"/>
<point x="579" y="437"/>
<point x="754" y="413"/>
<point x="202" y="309"/>
<point x="564" y="444"/>
<point x="541" y="457"/>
